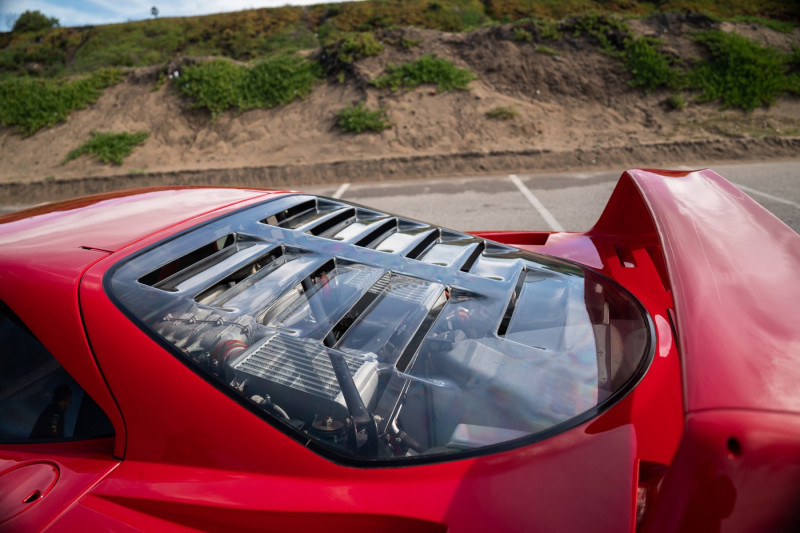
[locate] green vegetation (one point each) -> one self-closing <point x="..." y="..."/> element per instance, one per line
<point x="522" y="35"/>
<point x="641" y="57"/>
<point x="360" y="45"/>
<point x="337" y="57"/>
<point x="219" y="85"/>
<point x="509" y="10"/>
<point x="401" y="41"/>
<point x="502" y="113"/>
<point x="354" y="46"/>
<point x="782" y="26"/>
<point x="427" y="69"/>
<point x="408" y="44"/>
<point x="742" y="73"/>
<point x="649" y="67"/>
<point x="675" y="102"/>
<point x="109" y="147"/>
<point x="547" y="29"/>
<point x="542" y="49"/>
<point x="37" y="48"/>
<point x="34" y="21"/>
<point x="32" y="104"/>
<point x="728" y="9"/>
<point x="737" y="74"/>
<point x="611" y="33"/>
<point x="241" y="35"/>
<point x="445" y="15"/>
<point x="358" y="119"/>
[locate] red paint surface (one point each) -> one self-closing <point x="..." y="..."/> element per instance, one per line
<point x="689" y="246"/>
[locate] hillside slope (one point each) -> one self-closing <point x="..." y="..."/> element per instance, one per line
<point x="574" y="108"/>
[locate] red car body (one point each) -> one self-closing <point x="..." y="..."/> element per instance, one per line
<point x="707" y="440"/>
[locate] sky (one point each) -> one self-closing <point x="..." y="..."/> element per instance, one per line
<point x="88" y="12"/>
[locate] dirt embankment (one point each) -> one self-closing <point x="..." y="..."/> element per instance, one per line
<point x="574" y="109"/>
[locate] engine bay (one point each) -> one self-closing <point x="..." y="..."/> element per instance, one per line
<point x="380" y="337"/>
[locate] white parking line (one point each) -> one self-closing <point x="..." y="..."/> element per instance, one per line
<point x="768" y="196"/>
<point x="539" y="206"/>
<point x="341" y="190"/>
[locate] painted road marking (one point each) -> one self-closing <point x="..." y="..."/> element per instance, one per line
<point x="768" y="196"/>
<point x="539" y="206"/>
<point x="341" y="190"/>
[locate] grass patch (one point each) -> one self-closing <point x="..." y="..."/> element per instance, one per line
<point x="31" y="104"/>
<point x="397" y="38"/>
<point x="426" y="70"/>
<point x="502" y="113"/>
<point x="782" y="26"/>
<point x="542" y="49"/>
<point x="446" y="15"/>
<point x="220" y="85"/>
<point x="359" y="119"/>
<point x="407" y="43"/>
<point x="109" y="147"/>
<point x="742" y="73"/>
<point x="522" y="35"/>
<point x="727" y="10"/>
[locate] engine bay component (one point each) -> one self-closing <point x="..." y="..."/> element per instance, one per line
<point x="379" y="337"/>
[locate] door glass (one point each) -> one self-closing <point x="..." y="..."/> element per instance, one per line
<point x="39" y="400"/>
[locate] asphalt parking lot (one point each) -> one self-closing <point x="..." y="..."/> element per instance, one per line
<point x="566" y="201"/>
<point x="570" y="201"/>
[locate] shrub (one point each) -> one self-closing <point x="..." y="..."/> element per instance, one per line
<point x="109" y="147"/>
<point x="502" y="113"/>
<point x="547" y="29"/>
<point x="34" y="21"/>
<point x="355" y="46"/>
<point x="278" y="81"/>
<point x="358" y="119"/>
<point x="219" y="85"/>
<point x="740" y="72"/>
<point x="427" y="69"/>
<point x="675" y="102"/>
<point x="649" y="67"/>
<point x="33" y="104"/>
<point x="610" y="33"/>
<point x="214" y="86"/>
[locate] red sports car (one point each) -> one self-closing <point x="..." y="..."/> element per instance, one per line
<point x="235" y="359"/>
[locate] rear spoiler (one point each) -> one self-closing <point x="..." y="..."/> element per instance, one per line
<point x="733" y="270"/>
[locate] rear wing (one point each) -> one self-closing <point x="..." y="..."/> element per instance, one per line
<point x="732" y="268"/>
<point x="733" y="271"/>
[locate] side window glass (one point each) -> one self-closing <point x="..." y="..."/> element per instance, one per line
<point x="39" y="400"/>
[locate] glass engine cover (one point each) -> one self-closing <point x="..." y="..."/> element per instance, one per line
<point x="374" y="337"/>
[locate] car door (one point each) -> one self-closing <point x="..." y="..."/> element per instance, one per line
<point x="55" y="441"/>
